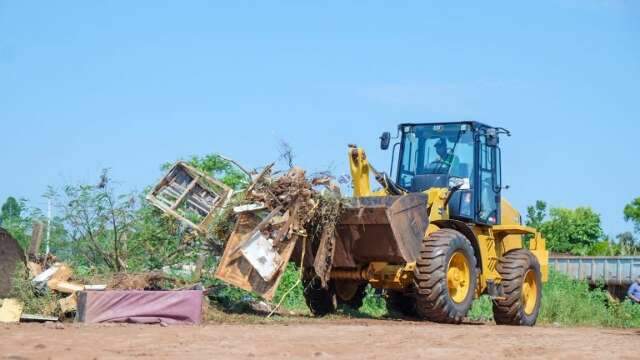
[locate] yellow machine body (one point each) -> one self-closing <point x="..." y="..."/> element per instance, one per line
<point x="493" y="242"/>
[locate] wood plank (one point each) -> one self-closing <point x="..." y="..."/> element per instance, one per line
<point x="36" y="238"/>
<point x="65" y="286"/>
<point x="37" y="318"/>
<point x="193" y="184"/>
<point x="35" y="269"/>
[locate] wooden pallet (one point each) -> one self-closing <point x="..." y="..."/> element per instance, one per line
<point x="190" y="195"/>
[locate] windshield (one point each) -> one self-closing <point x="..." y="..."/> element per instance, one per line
<point x="435" y="149"/>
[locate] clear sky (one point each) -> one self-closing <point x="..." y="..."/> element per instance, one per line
<point x="129" y="85"/>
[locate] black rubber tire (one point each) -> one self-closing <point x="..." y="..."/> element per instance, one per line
<point x="321" y="302"/>
<point x="512" y="268"/>
<point x="433" y="301"/>
<point x="356" y="300"/>
<point x="400" y="304"/>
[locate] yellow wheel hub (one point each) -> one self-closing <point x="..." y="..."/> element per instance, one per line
<point x="529" y="292"/>
<point x="458" y="277"/>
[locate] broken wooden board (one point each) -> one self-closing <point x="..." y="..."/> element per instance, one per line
<point x="186" y="192"/>
<point x="68" y="304"/>
<point x="35" y="269"/>
<point x="45" y="276"/>
<point x="38" y="318"/>
<point x="235" y="269"/>
<point x="64" y="273"/>
<point x="10" y="311"/>
<point x="64" y="286"/>
<point x="36" y="239"/>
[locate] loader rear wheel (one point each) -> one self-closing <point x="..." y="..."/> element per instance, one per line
<point x="522" y="285"/>
<point x="445" y="277"/>
<point x="399" y="303"/>
<point x="350" y="293"/>
<point x="321" y="302"/>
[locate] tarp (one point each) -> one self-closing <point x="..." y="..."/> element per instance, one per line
<point x="140" y="307"/>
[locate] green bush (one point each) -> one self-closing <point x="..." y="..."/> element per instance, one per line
<point x="34" y="301"/>
<point x="482" y="309"/>
<point x="569" y="302"/>
<point x="295" y="298"/>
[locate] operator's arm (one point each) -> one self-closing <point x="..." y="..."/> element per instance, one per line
<point x="634" y="289"/>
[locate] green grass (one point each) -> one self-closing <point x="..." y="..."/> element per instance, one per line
<point x="571" y="303"/>
<point x="294" y="300"/>
<point x="565" y="302"/>
<point x="482" y="309"/>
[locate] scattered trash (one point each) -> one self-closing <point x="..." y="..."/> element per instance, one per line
<point x="68" y="304"/>
<point x="142" y="281"/>
<point x="10" y="311"/>
<point x="261" y="307"/>
<point x="248" y="208"/>
<point x="38" y="318"/>
<point x="95" y="287"/>
<point x="261" y="254"/>
<point x="40" y="281"/>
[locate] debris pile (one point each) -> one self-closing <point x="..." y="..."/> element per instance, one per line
<point x="280" y="214"/>
<point x="154" y="280"/>
<point x="279" y="217"/>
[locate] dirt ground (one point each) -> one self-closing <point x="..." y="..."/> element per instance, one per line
<point x="346" y="339"/>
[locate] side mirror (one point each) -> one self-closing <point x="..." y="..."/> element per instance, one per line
<point x="385" y="140"/>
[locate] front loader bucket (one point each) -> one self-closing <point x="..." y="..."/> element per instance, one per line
<point x="385" y="228"/>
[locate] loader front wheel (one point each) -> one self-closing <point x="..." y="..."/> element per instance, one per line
<point x="445" y="277"/>
<point x="522" y="286"/>
<point x="321" y="302"/>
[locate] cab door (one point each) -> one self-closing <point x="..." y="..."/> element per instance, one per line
<point x="488" y="180"/>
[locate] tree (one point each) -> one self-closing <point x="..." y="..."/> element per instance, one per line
<point x="219" y="168"/>
<point x="632" y="213"/>
<point x="11" y="209"/>
<point x="536" y="214"/>
<point x="98" y="222"/>
<point x="628" y="244"/>
<point x="572" y="231"/>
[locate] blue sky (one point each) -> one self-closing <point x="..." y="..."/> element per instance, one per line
<point x="130" y="85"/>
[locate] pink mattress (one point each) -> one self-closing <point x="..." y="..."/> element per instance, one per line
<point x="140" y="307"/>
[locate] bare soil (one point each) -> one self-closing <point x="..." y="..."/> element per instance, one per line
<point x="342" y="339"/>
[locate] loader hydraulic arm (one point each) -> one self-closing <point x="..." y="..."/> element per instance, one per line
<point x="359" y="166"/>
<point x="360" y="170"/>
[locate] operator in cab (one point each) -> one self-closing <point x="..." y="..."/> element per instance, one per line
<point x="446" y="159"/>
<point x="634" y="291"/>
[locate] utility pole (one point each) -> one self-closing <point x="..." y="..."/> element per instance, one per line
<point x="48" y="227"/>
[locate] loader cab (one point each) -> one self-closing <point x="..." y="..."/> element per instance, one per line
<point x="464" y="154"/>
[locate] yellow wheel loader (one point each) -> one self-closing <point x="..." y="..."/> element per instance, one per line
<point x="438" y="235"/>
